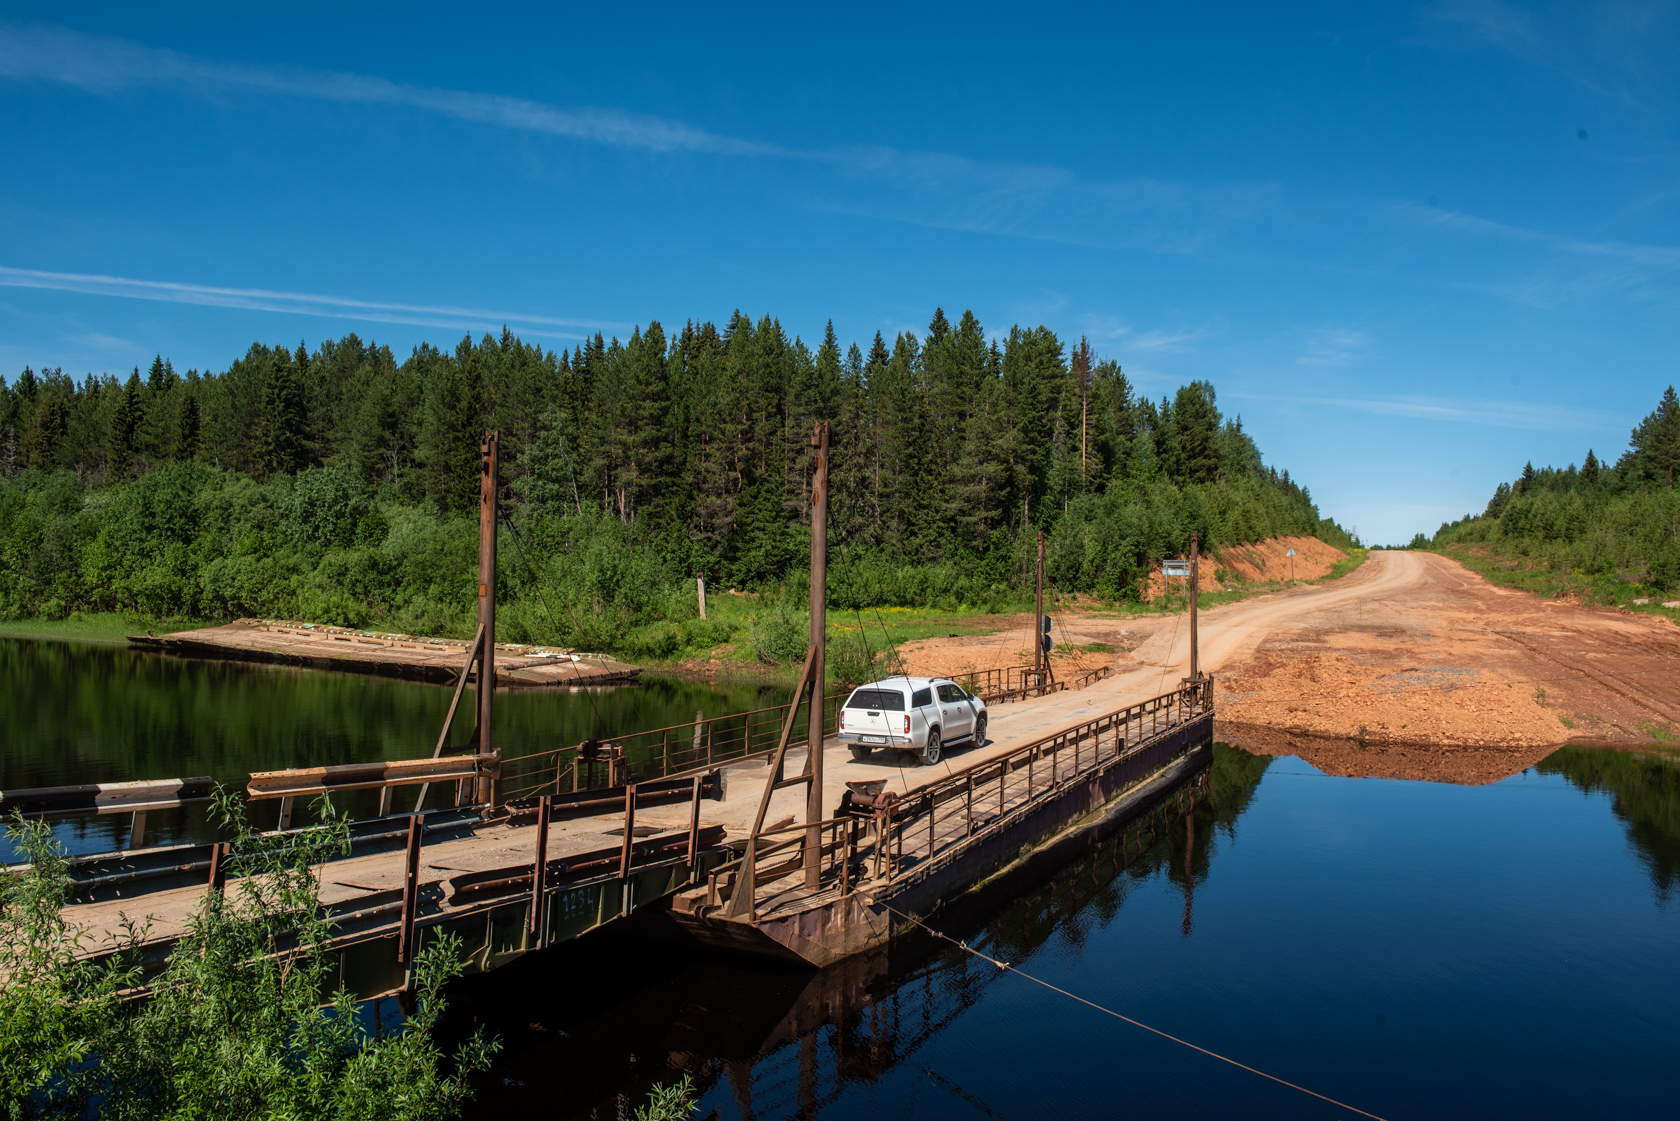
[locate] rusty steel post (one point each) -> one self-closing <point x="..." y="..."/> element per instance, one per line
<point x="846" y="857"/>
<point x="1195" y="585"/>
<point x="629" y="830"/>
<point x="1039" y="657"/>
<point x="490" y="453"/>
<point x="819" y="644"/>
<point x="539" y="870"/>
<point x="219" y="854"/>
<point x="411" y="893"/>
<point x="694" y="827"/>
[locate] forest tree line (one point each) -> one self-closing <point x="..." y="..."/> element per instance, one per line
<point x="1618" y="520"/>
<point x="341" y="474"/>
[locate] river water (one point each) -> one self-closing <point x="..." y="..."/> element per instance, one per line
<point x="80" y="713"/>
<point x="1413" y="949"/>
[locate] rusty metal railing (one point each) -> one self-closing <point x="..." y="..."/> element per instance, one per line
<point x="669" y="752"/>
<point x="1010" y="683"/>
<point x="984" y="793"/>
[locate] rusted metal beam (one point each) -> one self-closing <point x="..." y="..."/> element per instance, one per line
<point x="694" y="825"/>
<point x="539" y="871"/>
<point x="454" y="703"/>
<point x="490" y="470"/>
<point x="411" y="893"/>
<point x="629" y="830"/>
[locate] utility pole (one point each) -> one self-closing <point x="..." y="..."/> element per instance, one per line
<point x="490" y="455"/>
<point x="1039" y="659"/>
<point x="1195" y="586"/>
<point x="819" y="644"/>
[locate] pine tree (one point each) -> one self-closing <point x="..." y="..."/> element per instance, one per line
<point x="1590" y="469"/>
<point x="1084" y="382"/>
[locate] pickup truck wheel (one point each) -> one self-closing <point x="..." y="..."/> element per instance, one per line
<point x="929" y="755"/>
<point x="980" y="731"/>
<point x="859" y="753"/>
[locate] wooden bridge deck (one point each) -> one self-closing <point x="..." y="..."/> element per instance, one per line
<point x="476" y="877"/>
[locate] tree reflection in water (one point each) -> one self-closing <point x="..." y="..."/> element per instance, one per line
<point x="1644" y="789"/>
<point x="592" y="1026"/>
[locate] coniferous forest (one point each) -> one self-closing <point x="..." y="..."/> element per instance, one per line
<point x="340" y="485"/>
<point x="1600" y="528"/>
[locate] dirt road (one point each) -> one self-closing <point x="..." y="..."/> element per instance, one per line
<point x="1411" y="666"/>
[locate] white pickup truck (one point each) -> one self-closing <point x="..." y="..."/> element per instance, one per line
<point x="915" y="714"/>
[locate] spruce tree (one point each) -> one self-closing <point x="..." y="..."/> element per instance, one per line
<point x="1590" y="469"/>
<point x="283" y="417"/>
<point x="44" y="442"/>
<point x="184" y="446"/>
<point x="119" y="439"/>
<point x="1196" y="425"/>
<point x="1657" y="439"/>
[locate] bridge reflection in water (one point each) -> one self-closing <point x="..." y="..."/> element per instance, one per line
<point x="590" y="1027"/>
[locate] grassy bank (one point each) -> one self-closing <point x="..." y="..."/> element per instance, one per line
<point x="109" y="627"/>
<point x="1535" y="574"/>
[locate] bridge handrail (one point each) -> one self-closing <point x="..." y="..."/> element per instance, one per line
<point x="106" y="797"/>
<point x="1191" y="699"/>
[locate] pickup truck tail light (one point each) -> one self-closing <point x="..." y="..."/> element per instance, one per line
<point x="842" y="726"/>
<point x="907" y="725"/>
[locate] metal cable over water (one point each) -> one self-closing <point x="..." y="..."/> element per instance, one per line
<point x="1003" y="965"/>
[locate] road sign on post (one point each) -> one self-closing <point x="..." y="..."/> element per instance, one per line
<point x="1291" y="556"/>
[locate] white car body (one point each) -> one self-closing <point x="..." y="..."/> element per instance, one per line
<point x="917" y="714"/>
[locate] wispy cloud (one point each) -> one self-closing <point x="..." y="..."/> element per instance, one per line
<point x="1499" y="414"/>
<point x="104" y="65"/>
<point x="933" y="189"/>
<point x="1558" y="267"/>
<point x="1164" y="342"/>
<point x="1617" y="49"/>
<point x="1333" y="346"/>
<point x="1242" y="221"/>
<point x="298" y="303"/>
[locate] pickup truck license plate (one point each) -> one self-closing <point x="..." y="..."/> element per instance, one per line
<point x="873" y="739"/>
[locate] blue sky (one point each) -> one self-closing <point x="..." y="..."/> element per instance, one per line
<point x="1412" y="245"/>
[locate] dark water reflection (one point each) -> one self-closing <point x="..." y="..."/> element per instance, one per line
<point x="77" y="713"/>
<point x="1412" y="948"/>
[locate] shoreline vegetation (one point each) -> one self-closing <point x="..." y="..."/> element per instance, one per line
<point x="882" y="629"/>
<point x="338" y="485"/>
<point x="1597" y="533"/>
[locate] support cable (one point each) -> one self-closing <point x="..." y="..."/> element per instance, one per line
<point x="1003" y="965"/>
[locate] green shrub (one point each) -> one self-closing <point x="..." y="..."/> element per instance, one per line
<point x="230" y="1029"/>
<point x="781" y="634"/>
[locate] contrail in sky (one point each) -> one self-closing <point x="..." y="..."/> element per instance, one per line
<point x="297" y="303"/>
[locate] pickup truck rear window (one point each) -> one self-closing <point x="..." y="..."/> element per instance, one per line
<point x="888" y="700"/>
